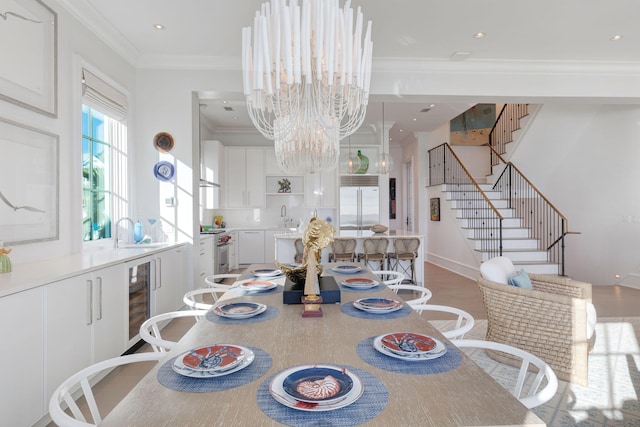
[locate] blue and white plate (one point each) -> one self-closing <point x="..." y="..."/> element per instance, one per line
<point x="377" y="305"/>
<point x="360" y="283"/>
<point x="164" y="171"/>
<point x="438" y="350"/>
<point x="179" y="366"/>
<point x="346" y="268"/>
<point x="266" y="272"/>
<point x="240" y="310"/>
<point x="257" y="285"/>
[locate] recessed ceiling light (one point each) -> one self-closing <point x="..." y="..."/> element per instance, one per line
<point x="401" y="130"/>
<point x="432" y="105"/>
<point x="235" y="117"/>
<point x="225" y="102"/>
<point x="479" y="35"/>
<point x="616" y="37"/>
<point x="158" y="26"/>
<point x="414" y="119"/>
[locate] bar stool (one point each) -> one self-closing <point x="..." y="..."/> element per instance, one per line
<point x="375" y="250"/>
<point x="405" y="250"/>
<point x="343" y="250"/>
<point x="299" y="245"/>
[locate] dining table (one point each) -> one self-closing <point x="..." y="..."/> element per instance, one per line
<point x="450" y="390"/>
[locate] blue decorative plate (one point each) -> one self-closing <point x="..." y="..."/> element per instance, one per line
<point x="346" y="268"/>
<point x="318" y="384"/>
<point x="164" y="170"/>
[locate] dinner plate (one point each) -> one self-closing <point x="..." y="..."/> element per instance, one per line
<point x="360" y="283"/>
<point x="408" y="343"/>
<point x="378" y="305"/>
<point x="318" y="384"/>
<point x="258" y="285"/>
<point x="240" y="310"/>
<point x="346" y="268"/>
<point x="438" y="351"/>
<point x="277" y="390"/>
<point x="180" y="368"/>
<point x="266" y="272"/>
<point x="218" y="357"/>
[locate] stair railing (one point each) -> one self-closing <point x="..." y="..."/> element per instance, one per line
<point x="547" y="225"/>
<point x="508" y="121"/>
<point x="481" y="216"/>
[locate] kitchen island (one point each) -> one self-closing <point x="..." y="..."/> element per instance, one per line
<point x="285" y="250"/>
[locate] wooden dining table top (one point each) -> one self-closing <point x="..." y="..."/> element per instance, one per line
<point x="465" y="395"/>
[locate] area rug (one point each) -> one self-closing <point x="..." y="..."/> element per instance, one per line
<point x="611" y="398"/>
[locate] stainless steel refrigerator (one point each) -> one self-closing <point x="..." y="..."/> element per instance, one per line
<point x="359" y="202"/>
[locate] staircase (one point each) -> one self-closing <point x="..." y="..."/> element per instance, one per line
<point x="484" y="234"/>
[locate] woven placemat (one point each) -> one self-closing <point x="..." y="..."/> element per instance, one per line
<point x="349" y="309"/>
<point x="370" y="404"/>
<point x="269" y="313"/>
<point x="450" y="360"/>
<point x="170" y="379"/>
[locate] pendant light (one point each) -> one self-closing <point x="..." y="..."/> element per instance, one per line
<point x="349" y="162"/>
<point x="384" y="161"/>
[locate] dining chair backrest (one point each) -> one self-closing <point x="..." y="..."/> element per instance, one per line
<point x="423" y="293"/>
<point x="63" y="396"/>
<point x="343" y="249"/>
<point x="530" y="393"/>
<point x="464" y="320"/>
<point x="194" y="299"/>
<point x="390" y="277"/>
<point x="215" y="281"/>
<point x="150" y="328"/>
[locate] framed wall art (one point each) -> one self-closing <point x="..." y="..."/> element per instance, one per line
<point x="28" y="184"/>
<point x="435" y="208"/>
<point x="28" y="45"/>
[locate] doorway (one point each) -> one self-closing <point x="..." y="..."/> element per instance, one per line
<point x="408" y="194"/>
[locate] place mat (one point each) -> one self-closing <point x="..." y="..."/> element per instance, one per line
<point x="450" y="360"/>
<point x="269" y="313"/>
<point x="170" y="379"/>
<point x="349" y="309"/>
<point x="370" y="404"/>
<point x="376" y="288"/>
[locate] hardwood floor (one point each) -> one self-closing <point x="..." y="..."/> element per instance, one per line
<point x="448" y="289"/>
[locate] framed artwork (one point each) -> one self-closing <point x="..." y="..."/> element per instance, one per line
<point x="435" y="209"/>
<point x="28" y="184"/>
<point x="473" y="126"/>
<point x="28" y="45"/>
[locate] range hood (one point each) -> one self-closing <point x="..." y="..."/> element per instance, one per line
<point x="205" y="183"/>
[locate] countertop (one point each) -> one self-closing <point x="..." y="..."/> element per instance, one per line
<point x="358" y="234"/>
<point x="30" y="275"/>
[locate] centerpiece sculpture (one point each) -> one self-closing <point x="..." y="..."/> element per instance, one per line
<point x="317" y="236"/>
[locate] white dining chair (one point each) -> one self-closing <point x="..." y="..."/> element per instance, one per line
<point x="63" y="396"/>
<point x="531" y="393"/>
<point x="464" y="320"/>
<point x="194" y="299"/>
<point x="216" y="281"/>
<point x="423" y="293"/>
<point x="150" y="328"/>
<point x="390" y="277"/>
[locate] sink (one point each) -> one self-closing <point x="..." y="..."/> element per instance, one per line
<point x="143" y="245"/>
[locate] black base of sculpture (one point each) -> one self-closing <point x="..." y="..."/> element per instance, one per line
<point x="329" y="291"/>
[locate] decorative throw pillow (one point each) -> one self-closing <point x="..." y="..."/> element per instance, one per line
<point x="521" y="280"/>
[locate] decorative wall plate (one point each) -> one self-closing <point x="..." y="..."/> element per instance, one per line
<point x="163" y="142"/>
<point x="163" y="170"/>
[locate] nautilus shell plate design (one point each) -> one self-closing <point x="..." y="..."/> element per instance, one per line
<point x="318" y="384"/>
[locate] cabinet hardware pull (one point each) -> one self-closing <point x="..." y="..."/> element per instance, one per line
<point x="99" y="284"/>
<point x="89" y="302"/>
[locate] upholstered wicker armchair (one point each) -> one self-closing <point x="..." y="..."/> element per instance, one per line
<point x="554" y="320"/>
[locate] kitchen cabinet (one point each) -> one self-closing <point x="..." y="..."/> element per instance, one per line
<point x="169" y="281"/>
<point x="211" y="172"/>
<point x="244" y="185"/>
<point x="86" y="322"/>
<point x="205" y="258"/>
<point x="233" y="250"/>
<point x="320" y="189"/>
<point x="250" y="247"/>
<point x="22" y="358"/>
<point x="270" y="245"/>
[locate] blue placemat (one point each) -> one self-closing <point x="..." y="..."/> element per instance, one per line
<point x="269" y="313"/>
<point x="348" y="309"/>
<point x="450" y="360"/>
<point x="370" y="404"/>
<point x="170" y="379"/>
<point x="350" y="289"/>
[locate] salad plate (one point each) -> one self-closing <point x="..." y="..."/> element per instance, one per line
<point x="438" y="351"/>
<point x="378" y="305"/>
<point x="266" y="272"/>
<point x="181" y="368"/>
<point x="408" y="343"/>
<point x="240" y="310"/>
<point x="360" y="283"/>
<point x="302" y="387"/>
<point x="258" y="285"/>
<point x="346" y="268"/>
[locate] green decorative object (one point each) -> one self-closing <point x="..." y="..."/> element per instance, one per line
<point x="364" y="163"/>
<point x="5" y="261"/>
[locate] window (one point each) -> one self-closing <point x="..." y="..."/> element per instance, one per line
<point x="104" y="157"/>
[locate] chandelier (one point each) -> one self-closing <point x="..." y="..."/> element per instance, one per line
<point x="306" y="76"/>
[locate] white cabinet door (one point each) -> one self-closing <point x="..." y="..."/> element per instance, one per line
<point x="270" y="245"/>
<point x="320" y="189"/>
<point x="110" y="312"/>
<point x="21" y="361"/>
<point x="244" y="183"/>
<point x="170" y="280"/>
<point x="206" y="259"/>
<point x="233" y="250"/>
<point x="250" y="247"/>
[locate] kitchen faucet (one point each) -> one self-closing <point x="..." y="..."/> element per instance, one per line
<point x="283" y="215"/>
<point x="115" y="233"/>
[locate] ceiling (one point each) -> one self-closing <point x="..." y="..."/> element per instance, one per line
<point x="529" y="32"/>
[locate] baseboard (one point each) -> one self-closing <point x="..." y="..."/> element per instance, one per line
<point x="454" y="266"/>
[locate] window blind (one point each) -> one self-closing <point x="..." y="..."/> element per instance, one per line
<point x="101" y="96"/>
